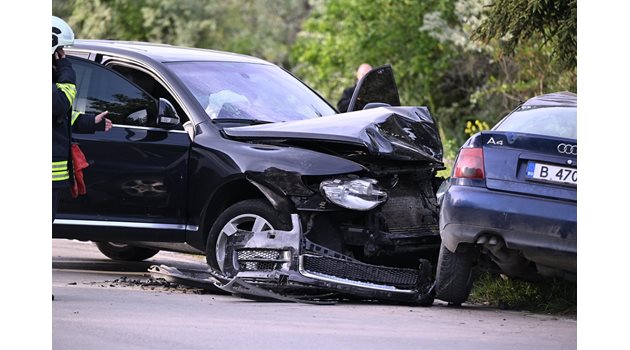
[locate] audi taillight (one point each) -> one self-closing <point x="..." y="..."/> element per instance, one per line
<point x="469" y="164"/>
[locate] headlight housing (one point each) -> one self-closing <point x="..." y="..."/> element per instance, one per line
<point x="356" y="194"/>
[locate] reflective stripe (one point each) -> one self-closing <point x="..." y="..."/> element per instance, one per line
<point x="70" y="90"/>
<point x="60" y="175"/>
<point x="62" y="165"/>
<point x="60" y="171"/>
<point x="75" y="115"/>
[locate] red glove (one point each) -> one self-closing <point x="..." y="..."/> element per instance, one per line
<point x="80" y="163"/>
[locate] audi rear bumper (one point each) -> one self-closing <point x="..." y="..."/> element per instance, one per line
<point x="544" y="230"/>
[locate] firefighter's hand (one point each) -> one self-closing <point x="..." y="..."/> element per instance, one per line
<point x="100" y="117"/>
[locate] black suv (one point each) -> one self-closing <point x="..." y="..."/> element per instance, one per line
<point x="206" y="144"/>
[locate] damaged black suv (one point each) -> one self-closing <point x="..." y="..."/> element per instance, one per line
<point x="233" y="157"/>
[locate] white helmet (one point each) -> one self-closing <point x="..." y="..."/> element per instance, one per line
<point x="62" y="34"/>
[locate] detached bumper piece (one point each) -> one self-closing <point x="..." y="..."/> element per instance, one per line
<point x="322" y="267"/>
<point x="284" y="265"/>
<point x="312" y="282"/>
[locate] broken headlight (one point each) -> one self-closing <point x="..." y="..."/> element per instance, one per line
<point x="356" y="194"/>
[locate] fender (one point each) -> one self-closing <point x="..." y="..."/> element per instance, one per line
<point x="253" y="170"/>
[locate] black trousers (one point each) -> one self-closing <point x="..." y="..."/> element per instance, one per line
<point x="55" y="201"/>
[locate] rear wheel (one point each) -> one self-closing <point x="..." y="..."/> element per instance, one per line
<point x="126" y="252"/>
<point x="254" y="215"/>
<point x="453" y="280"/>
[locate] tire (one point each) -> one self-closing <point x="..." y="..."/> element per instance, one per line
<point x="125" y="252"/>
<point x="251" y="215"/>
<point x="453" y="280"/>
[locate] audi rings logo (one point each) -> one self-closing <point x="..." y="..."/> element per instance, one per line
<point x="566" y="148"/>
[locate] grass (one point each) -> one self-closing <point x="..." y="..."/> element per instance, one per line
<point x="556" y="297"/>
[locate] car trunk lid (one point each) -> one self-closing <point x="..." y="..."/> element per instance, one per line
<point x="530" y="164"/>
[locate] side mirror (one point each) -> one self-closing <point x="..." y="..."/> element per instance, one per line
<point x="167" y="116"/>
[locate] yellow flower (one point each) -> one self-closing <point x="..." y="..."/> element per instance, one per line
<point x="477" y="126"/>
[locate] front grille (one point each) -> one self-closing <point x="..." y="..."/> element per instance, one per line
<point x="358" y="271"/>
<point x="258" y="259"/>
<point x="258" y="254"/>
<point x="257" y="266"/>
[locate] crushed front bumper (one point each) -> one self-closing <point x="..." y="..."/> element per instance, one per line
<point x="284" y="265"/>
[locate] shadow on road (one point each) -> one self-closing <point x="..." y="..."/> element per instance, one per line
<point x="103" y="265"/>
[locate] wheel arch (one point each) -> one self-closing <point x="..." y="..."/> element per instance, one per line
<point x="234" y="191"/>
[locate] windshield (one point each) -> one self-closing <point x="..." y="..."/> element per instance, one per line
<point x="236" y="90"/>
<point x="547" y="121"/>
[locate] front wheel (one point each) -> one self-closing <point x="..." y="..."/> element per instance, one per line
<point x="125" y="252"/>
<point x="254" y="215"/>
<point x="453" y="280"/>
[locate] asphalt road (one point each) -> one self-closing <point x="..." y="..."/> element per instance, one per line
<point x="102" y="304"/>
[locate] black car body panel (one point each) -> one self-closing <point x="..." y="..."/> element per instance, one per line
<point x="401" y="133"/>
<point x="278" y="167"/>
<point x="153" y="190"/>
<point x="184" y="150"/>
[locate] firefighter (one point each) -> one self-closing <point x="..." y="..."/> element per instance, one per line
<point x="64" y="120"/>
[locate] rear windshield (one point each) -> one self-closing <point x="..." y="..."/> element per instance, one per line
<point x="546" y="121"/>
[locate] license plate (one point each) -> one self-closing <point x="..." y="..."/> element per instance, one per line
<point x="551" y="173"/>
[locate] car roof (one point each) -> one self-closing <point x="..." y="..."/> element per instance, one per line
<point x="556" y="99"/>
<point x="163" y="52"/>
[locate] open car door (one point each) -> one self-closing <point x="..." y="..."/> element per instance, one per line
<point x="377" y="87"/>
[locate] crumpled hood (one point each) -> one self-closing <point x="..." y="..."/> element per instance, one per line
<point x="401" y="133"/>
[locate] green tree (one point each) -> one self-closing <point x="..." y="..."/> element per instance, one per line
<point x="490" y="82"/>
<point x="263" y="28"/>
<point x="340" y="35"/>
<point x="62" y="8"/>
<point x="430" y="69"/>
<point x="515" y="22"/>
<point x="436" y="61"/>
<point x="108" y="19"/>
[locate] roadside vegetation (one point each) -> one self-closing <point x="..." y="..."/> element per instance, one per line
<point x="469" y="61"/>
<point x="553" y="296"/>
